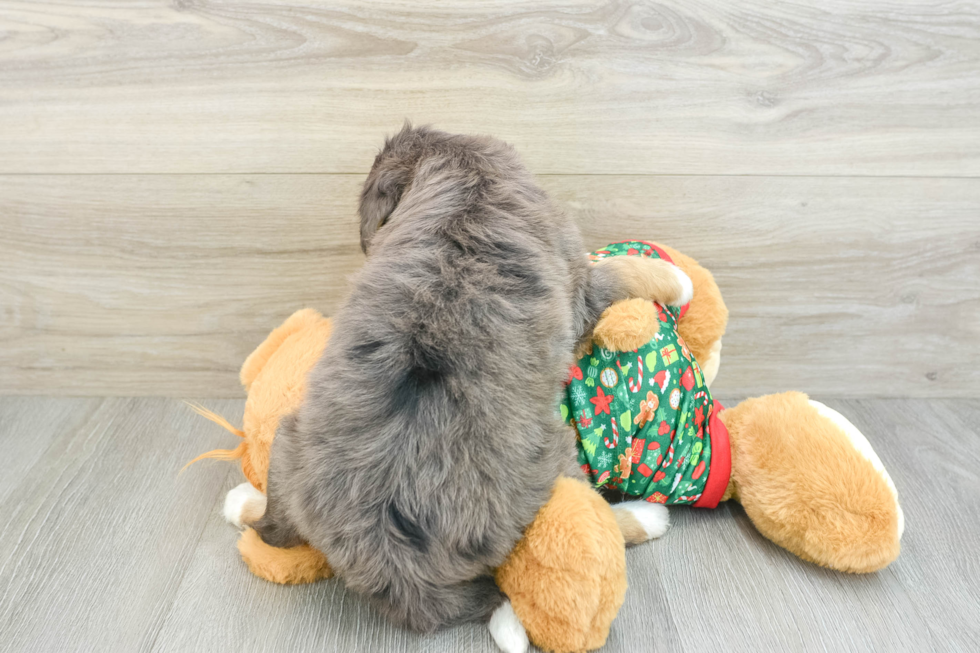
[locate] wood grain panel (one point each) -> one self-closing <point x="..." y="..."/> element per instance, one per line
<point x="160" y="284"/>
<point x="868" y="87"/>
<point x="835" y="286"/>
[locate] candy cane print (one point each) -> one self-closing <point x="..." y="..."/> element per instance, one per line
<point x="615" y="435"/>
<point x="635" y="387"/>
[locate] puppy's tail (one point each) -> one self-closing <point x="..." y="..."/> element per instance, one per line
<point x="218" y="454"/>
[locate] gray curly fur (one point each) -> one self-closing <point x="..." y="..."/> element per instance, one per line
<point x="429" y="437"/>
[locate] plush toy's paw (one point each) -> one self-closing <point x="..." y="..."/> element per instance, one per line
<point x="825" y="496"/>
<point x="863" y="447"/>
<point x="244" y="504"/>
<point x="566" y="578"/>
<point x="626" y="325"/>
<point x="507" y="630"/>
<point x="648" y="278"/>
<point x="687" y="287"/>
<point x="640" y="521"/>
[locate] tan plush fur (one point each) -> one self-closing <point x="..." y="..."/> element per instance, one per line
<point x="299" y="564"/>
<point x="704" y="323"/>
<point x="806" y="488"/>
<point x="274" y="375"/>
<point x="566" y="578"/>
<point x="645" y="277"/>
<point x="627" y="325"/>
<point x="631" y="528"/>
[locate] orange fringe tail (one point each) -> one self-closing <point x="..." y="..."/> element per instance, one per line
<point x="218" y="454"/>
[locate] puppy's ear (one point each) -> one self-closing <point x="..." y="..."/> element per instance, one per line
<point x="382" y="192"/>
<point x="392" y="172"/>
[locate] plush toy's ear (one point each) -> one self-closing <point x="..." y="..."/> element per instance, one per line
<point x="258" y="358"/>
<point x="703" y="325"/>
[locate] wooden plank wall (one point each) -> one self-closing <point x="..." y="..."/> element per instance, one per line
<point x="176" y="178"/>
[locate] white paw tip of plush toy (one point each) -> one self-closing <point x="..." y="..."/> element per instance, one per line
<point x="640" y="521"/>
<point x="244" y="504"/>
<point x="507" y="630"/>
<point x="687" y="288"/>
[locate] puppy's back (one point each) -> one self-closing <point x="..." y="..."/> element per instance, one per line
<point x="429" y="439"/>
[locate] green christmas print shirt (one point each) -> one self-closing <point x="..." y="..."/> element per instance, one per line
<point x="642" y="416"/>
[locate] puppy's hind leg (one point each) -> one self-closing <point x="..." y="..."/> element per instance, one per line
<point x="274" y="527"/>
<point x="425" y="607"/>
<point x="246" y="506"/>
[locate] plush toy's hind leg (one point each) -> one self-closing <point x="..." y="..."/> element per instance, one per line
<point x="864" y="448"/>
<point x="811" y="483"/>
<point x="566" y="578"/>
<point x="298" y="564"/>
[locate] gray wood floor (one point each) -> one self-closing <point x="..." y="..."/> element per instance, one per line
<point x="105" y="547"/>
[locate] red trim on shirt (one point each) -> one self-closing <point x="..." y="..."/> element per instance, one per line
<point x="720" y="471"/>
<point x="664" y="255"/>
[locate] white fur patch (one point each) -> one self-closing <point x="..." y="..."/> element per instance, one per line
<point x="653" y="517"/>
<point x="507" y="630"/>
<point x="238" y="498"/>
<point x="859" y="442"/>
<point x="687" y="292"/>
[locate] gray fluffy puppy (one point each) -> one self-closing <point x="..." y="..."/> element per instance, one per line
<point x="429" y="436"/>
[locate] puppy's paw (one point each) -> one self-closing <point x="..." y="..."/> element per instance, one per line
<point x="687" y="287"/>
<point x="244" y="504"/>
<point x="507" y="630"/>
<point x="640" y="521"/>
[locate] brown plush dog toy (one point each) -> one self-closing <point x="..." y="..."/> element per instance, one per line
<point x="566" y="578"/>
<point x="649" y="429"/>
<point x="805" y="476"/>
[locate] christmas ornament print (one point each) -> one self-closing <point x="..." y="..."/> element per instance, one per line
<point x="609" y="378"/>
